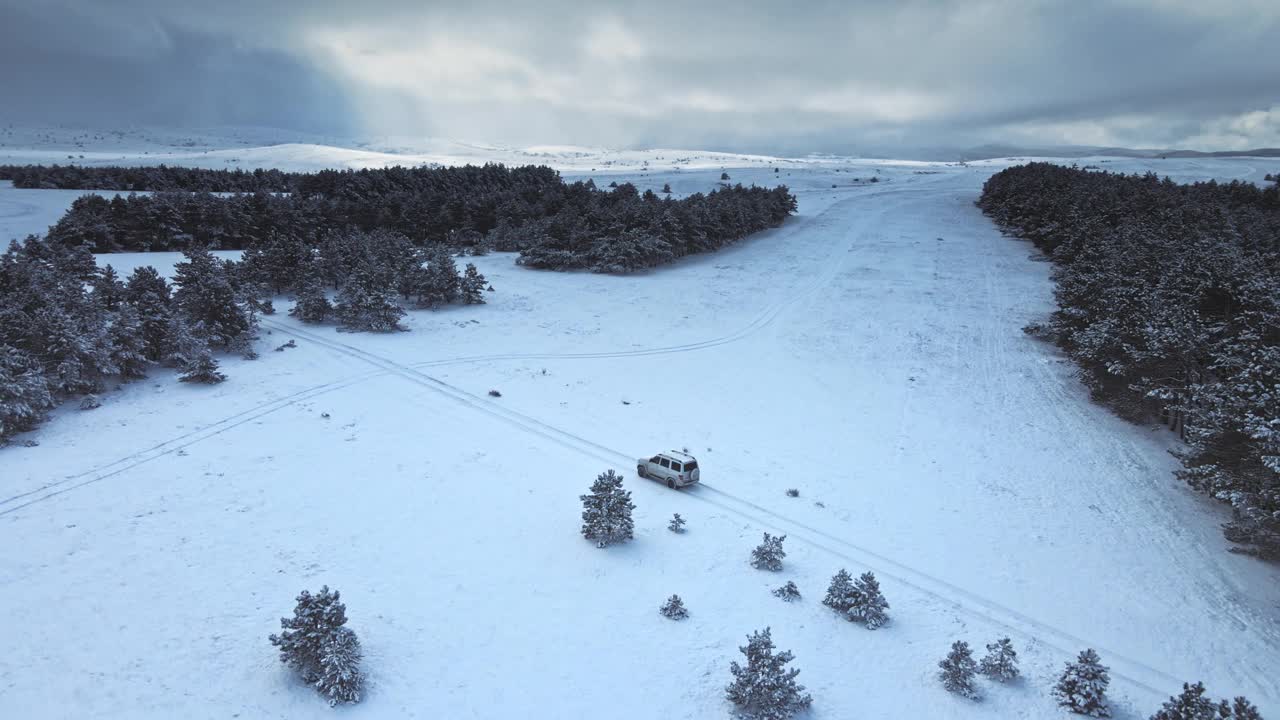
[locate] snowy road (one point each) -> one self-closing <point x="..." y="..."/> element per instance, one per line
<point x="868" y="353"/>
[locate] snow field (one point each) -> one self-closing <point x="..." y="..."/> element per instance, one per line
<point x="850" y="354"/>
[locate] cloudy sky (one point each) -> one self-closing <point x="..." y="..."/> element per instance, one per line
<point x="808" y="76"/>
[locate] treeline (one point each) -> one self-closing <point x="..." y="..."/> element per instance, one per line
<point x="553" y="224"/>
<point x="1169" y="301"/>
<point x="70" y="329"/>
<point x="161" y="178"/>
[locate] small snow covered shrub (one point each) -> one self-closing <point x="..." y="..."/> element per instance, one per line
<point x="792" y="492"/>
<point x="317" y="646"/>
<point x="677" y="524"/>
<point x="674" y="608"/>
<point x="841" y="594"/>
<point x="1001" y="661"/>
<point x="1191" y="704"/>
<point x="1082" y="689"/>
<point x="90" y="402"/>
<point x="606" y="511"/>
<point x="769" y="554"/>
<point x="958" y="670"/>
<point x="340" y="677"/>
<point x="763" y="690"/>
<point x="788" y="592"/>
<point x="203" y="368"/>
<point x="869" y="605"/>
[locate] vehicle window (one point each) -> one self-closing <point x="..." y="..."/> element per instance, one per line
<point x="675" y="466"/>
<point x="654" y="459"/>
<point x="691" y="466"/>
<point x="664" y="463"/>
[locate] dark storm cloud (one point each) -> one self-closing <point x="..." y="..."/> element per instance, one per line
<point x="834" y="76"/>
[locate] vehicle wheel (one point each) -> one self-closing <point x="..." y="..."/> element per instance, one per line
<point x="671" y="483"/>
<point x="640" y="471"/>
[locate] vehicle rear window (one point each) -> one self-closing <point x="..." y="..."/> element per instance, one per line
<point x="691" y="466"/>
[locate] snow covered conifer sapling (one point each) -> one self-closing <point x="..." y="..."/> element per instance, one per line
<point x="958" y="669"/>
<point x="674" y="608"/>
<point x="869" y="605"/>
<point x="1001" y="661"/>
<point x="1190" y="705"/>
<point x="606" y="511"/>
<point x="340" y="678"/>
<point x="472" y="286"/>
<point x="788" y="592"/>
<point x="841" y="594"/>
<point x="769" y="554"/>
<point x="316" y="645"/>
<point x="763" y="690"/>
<point x="677" y="524"/>
<point x="1082" y="689"/>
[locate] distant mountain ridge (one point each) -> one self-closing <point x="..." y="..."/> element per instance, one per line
<point x="987" y="152"/>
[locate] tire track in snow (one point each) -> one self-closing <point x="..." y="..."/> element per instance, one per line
<point x="762" y="320"/>
<point x="1135" y="672"/>
<point x="128" y="462"/>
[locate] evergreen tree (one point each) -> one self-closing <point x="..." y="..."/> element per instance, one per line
<point x="312" y="305"/>
<point x="1001" y="661"/>
<point x="842" y="596"/>
<point x="1242" y="709"/>
<point x="1190" y="705"/>
<point x="473" y="284"/>
<point x="606" y="511"/>
<point x="207" y="300"/>
<point x="666" y="188"/>
<point x="127" y="343"/>
<point x="148" y="294"/>
<point x="108" y="291"/>
<point x="366" y="304"/>
<point x="339" y="677"/>
<point x="677" y="524"/>
<point x="958" y="670"/>
<point x="768" y="554"/>
<point x="788" y="592"/>
<point x="674" y="608"/>
<point x="439" y="283"/>
<point x="1083" y="686"/>
<point x="315" y="644"/>
<point x="24" y="392"/>
<point x="764" y="689"/>
<point x="190" y="353"/>
<point x="203" y="368"/>
<point x="869" y="605"/>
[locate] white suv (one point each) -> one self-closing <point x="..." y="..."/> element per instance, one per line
<point x="676" y="469"/>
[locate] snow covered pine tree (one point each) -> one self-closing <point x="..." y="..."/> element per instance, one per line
<point x="1001" y="662"/>
<point x="958" y="669"/>
<point x="317" y="646"/>
<point x="472" y="286"/>
<point x="677" y="524"/>
<point x="869" y="605"/>
<point x="606" y="511"/>
<point x="674" y="608"/>
<point x="1191" y="704"/>
<point x="841" y="595"/>
<point x="768" y="555"/>
<point x="764" y="690"/>
<point x="1082" y="689"/>
<point x="340" y="678"/>
<point x="788" y="592"/>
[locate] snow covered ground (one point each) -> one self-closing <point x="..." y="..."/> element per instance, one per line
<point x="868" y="353"/>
